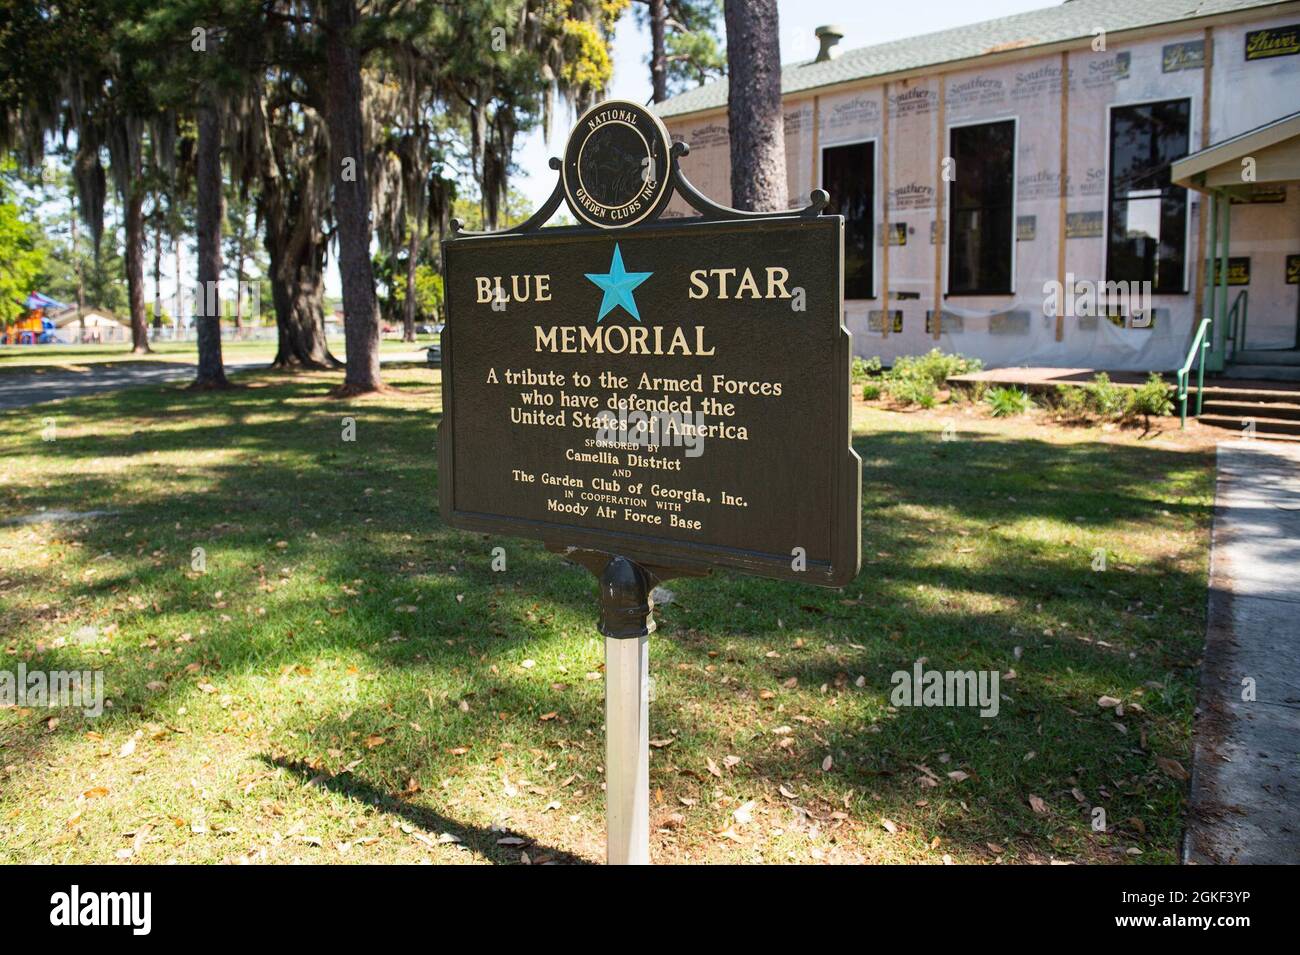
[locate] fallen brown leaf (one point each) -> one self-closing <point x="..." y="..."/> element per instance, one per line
<point x="1172" y="768"/>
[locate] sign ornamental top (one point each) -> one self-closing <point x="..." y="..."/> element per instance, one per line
<point x="616" y="165"/>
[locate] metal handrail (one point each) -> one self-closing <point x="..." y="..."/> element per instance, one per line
<point x="1237" y="329"/>
<point x="1200" y="345"/>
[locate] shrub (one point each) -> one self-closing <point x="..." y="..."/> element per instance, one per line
<point x="1107" y="398"/>
<point x="911" y="391"/>
<point x="1073" y="403"/>
<point x="962" y="392"/>
<point x="1008" y="402"/>
<point x="871" y="391"/>
<point x="935" y="366"/>
<point x="914" y="379"/>
<point x="864" y="368"/>
<point x="1126" y="409"/>
<point x="1153" y="398"/>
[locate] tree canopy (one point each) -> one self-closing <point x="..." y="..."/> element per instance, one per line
<point x="331" y="125"/>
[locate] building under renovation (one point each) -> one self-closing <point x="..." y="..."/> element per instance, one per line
<point x="1047" y="189"/>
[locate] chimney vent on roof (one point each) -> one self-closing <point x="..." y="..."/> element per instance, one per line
<point x="829" y="36"/>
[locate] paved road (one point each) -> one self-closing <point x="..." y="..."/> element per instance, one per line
<point x="1245" y="800"/>
<point x="19" y="389"/>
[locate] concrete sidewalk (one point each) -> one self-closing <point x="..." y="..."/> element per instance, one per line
<point x="1245" y="798"/>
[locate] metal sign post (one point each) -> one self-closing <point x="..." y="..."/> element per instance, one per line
<point x="626" y="622"/>
<point x="627" y="750"/>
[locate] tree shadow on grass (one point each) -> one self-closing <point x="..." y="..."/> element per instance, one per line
<point x="295" y="478"/>
<point x="483" y="842"/>
<point x="270" y="500"/>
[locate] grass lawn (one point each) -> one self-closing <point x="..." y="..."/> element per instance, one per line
<point x="28" y="357"/>
<point x="349" y="681"/>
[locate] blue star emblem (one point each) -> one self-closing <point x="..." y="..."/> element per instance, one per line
<point x="617" y="284"/>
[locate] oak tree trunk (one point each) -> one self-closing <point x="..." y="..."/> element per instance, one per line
<point x="658" y="49"/>
<point x="408" y="316"/>
<point x="178" y="300"/>
<point x="135" y="270"/>
<point x="298" y="294"/>
<point x="239" y="280"/>
<point x="81" y="281"/>
<point x="211" y="371"/>
<point x="157" y="276"/>
<point x="351" y="199"/>
<point x="754" y="116"/>
<point x="295" y="247"/>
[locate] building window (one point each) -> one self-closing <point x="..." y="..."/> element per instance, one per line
<point x="849" y="175"/>
<point x="982" y="202"/>
<point x="1147" y="238"/>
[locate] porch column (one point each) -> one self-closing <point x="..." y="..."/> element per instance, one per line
<point x="1221" y="298"/>
<point x="1213" y="358"/>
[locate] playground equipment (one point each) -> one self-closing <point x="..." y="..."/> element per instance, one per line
<point x="32" y="327"/>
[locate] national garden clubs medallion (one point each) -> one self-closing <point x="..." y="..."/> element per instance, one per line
<point x="616" y="165"/>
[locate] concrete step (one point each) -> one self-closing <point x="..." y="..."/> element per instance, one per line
<point x="1250" y="394"/>
<point x="1263" y="372"/>
<point x="1251" y="409"/>
<point x="1262" y="356"/>
<point x="1263" y="426"/>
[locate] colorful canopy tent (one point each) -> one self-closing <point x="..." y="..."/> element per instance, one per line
<point x="38" y="301"/>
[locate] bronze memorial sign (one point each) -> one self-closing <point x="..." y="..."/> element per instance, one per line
<point x="651" y="396"/>
<point x="671" y="391"/>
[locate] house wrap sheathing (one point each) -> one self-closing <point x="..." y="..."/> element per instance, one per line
<point x="1059" y="75"/>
